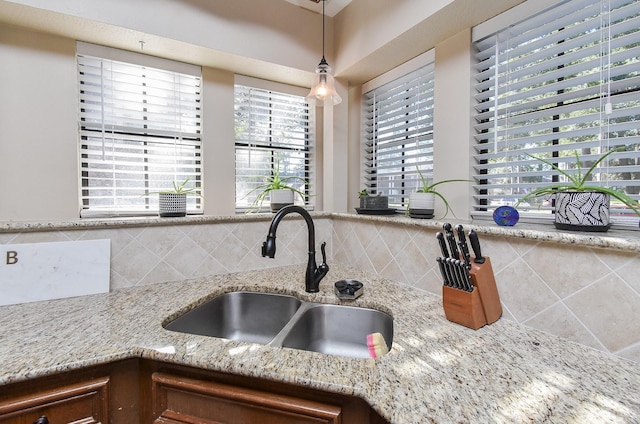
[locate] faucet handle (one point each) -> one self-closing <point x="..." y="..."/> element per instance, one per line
<point x="323" y="269"/>
<point x="269" y="247"/>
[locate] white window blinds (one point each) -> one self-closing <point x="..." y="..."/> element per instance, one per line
<point x="565" y="79"/>
<point x="272" y="126"/>
<point x="140" y="130"/>
<point x="398" y="135"/>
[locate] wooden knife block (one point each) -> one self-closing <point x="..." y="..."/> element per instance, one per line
<point x="479" y="307"/>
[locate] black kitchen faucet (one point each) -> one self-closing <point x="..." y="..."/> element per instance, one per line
<point x="314" y="273"/>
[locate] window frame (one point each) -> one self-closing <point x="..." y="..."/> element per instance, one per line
<point x="139" y="131"/>
<point x="290" y="114"/>
<point x="496" y="125"/>
<point x="415" y="78"/>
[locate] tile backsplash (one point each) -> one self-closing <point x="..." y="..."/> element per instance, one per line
<point x="584" y="294"/>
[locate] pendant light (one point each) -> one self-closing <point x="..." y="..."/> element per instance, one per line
<point x="323" y="88"/>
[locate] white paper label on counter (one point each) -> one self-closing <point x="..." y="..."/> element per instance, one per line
<point x="41" y="271"/>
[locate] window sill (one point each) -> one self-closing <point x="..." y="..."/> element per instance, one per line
<point x="140" y="221"/>
<point x="616" y="238"/>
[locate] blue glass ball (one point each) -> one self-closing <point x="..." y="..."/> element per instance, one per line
<point x="506" y="216"/>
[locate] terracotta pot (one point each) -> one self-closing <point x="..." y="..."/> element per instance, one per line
<point x="582" y="211"/>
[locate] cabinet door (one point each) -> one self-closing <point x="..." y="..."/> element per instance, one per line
<point x="186" y="400"/>
<point x="85" y="402"/>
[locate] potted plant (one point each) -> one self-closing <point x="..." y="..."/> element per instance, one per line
<point x="173" y="202"/>
<point x="422" y="201"/>
<point x="279" y="189"/>
<point x="371" y="201"/>
<point x="579" y="206"/>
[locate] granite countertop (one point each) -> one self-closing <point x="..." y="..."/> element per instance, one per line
<point x="436" y="371"/>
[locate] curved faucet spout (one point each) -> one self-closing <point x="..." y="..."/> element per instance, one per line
<point x="314" y="273"/>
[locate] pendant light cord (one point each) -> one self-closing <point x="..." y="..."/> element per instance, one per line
<point x="323" y="1"/>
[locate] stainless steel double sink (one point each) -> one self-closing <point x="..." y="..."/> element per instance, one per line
<point x="281" y="320"/>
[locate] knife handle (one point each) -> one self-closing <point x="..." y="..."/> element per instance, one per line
<point x="462" y="242"/>
<point x="452" y="244"/>
<point x="454" y="278"/>
<point x="475" y="245"/>
<point x="443" y="245"/>
<point x="445" y="277"/>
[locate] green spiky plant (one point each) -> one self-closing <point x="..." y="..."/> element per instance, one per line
<point x="182" y="189"/>
<point x="578" y="180"/>
<point x="273" y="182"/>
<point x="178" y="188"/>
<point x="427" y="187"/>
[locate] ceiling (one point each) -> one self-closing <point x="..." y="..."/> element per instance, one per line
<point x="331" y="7"/>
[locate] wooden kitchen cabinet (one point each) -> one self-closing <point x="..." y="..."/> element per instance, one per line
<point x="147" y="391"/>
<point x="178" y="399"/>
<point x="85" y="402"/>
<point x="177" y="394"/>
<point x="102" y="394"/>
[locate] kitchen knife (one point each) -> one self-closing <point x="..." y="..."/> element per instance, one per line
<point x="456" y="269"/>
<point x="464" y="247"/>
<point x="466" y="277"/>
<point x="449" y="272"/>
<point x="445" y="278"/>
<point x="453" y="272"/>
<point x="460" y="269"/>
<point x="452" y="245"/>
<point x="475" y="245"/>
<point x="443" y="245"/>
<point x="471" y="286"/>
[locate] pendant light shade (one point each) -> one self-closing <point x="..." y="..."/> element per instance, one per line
<point x="323" y="88"/>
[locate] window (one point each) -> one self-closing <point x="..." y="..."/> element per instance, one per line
<point x="272" y="126"/>
<point x="562" y="80"/>
<point x="140" y="130"/>
<point x="398" y="131"/>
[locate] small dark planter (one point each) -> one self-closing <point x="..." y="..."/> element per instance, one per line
<point x="374" y="202"/>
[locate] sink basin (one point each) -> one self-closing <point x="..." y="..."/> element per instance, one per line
<point x="244" y="316"/>
<point x="280" y="320"/>
<point x="338" y="330"/>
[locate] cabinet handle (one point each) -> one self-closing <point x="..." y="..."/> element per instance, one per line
<point x="41" y="420"/>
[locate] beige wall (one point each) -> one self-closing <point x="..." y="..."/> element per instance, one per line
<point x="226" y="38"/>
<point x="373" y="36"/>
<point x="39" y="137"/>
<point x="38" y="132"/>
<point x="218" y="138"/>
<point x="452" y="122"/>
<point x="238" y="35"/>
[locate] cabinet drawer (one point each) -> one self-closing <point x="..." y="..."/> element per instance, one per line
<point x="186" y="400"/>
<point x="85" y="402"/>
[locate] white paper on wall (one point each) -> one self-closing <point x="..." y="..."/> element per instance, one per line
<point x="41" y="271"/>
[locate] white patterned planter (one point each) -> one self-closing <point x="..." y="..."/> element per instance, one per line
<point x="172" y="204"/>
<point x="582" y="211"/>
